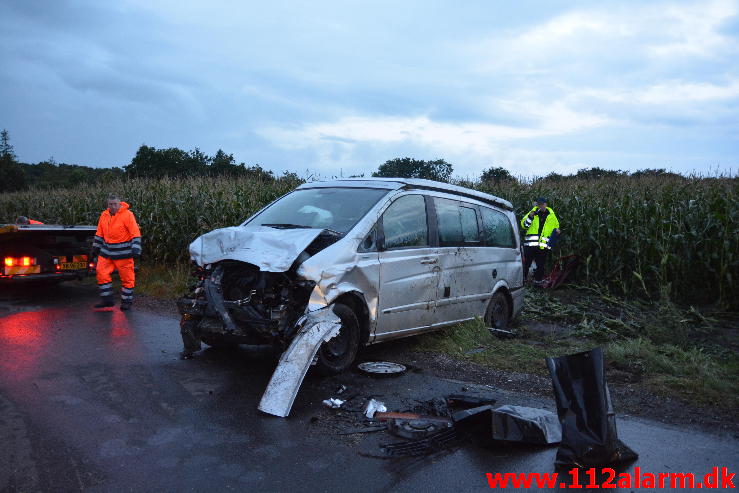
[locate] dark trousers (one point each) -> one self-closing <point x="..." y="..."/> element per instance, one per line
<point x="539" y="255"/>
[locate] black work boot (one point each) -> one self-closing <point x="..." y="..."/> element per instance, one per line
<point x="126" y="298"/>
<point x="106" y="302"/>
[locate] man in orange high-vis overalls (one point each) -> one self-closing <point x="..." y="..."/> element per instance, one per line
<point x="117" y="243"/>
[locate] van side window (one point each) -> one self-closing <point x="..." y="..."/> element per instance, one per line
<point x="496" y="229"/>
<point x="470" y="231"/>
<point x="457" y="223"/>
<point x="404" y="223"/>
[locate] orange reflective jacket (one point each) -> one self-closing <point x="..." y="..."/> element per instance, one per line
<point x="32" y="221"/>
<point x="118" y="235"/>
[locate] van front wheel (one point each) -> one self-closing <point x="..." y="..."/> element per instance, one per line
<point x="337" y="354"/>
<point x="498" y="314"/>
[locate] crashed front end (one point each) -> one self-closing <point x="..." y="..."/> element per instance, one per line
<point x="248" y="291"/>
<point x="234" y="301"/>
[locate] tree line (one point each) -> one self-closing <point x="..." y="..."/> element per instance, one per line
<point x="150" y="162"/>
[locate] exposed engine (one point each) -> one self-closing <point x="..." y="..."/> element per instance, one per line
<point x="238" y="300"/>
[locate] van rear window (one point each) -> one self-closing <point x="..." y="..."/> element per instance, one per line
<point x="496" y="229"/>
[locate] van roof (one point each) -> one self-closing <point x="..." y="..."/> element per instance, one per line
<point x="411" y="183"/>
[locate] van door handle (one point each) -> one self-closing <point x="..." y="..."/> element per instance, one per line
<point x="430" y="261"/>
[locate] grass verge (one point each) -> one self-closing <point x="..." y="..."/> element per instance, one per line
<point x="164" y="282"/>
<point x="660" y="347"/>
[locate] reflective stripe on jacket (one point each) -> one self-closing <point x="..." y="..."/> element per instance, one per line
<point x="118" y="235"/>
<point x="531" y="225"/>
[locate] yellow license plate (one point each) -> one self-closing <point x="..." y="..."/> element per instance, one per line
<point x="12" y="271"/>
<point x="73" y="265"/>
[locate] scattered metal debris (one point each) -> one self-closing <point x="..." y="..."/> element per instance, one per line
<point x="381" y="368"/>
<point x="368" y="429"/>
<point x="502" y="333"/>
<point x="526" y="425"/>
<point x="383" y="416"/>
<point x="509" y="424"/>
<point x="373" y="407"/>
<point x="442" y="440"/>
<point x="470" y="399"/>
<point x="585" y="410"/>
<point x="414" y="429"/>
<point x="333" y="403"/>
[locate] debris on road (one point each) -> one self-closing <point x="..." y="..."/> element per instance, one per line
<point x="318" y="327"/>
<point x="368" y="429"/>
<point x="470" y="398"/>
<point x="381" y="368"/>
<point x="373" y="407"/>
<point x="589" y="436"/>
<point x="415" y="429"/>
<point x="526" y="425"/>
<point x="439" y="441"/>
<point x="384" y="416"/>
<point x="333" y="403"/>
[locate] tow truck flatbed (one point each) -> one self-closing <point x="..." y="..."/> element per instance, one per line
<point x="45" y="252"/>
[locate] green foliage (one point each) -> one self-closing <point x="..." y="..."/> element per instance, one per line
<point x="406" y="167"/>
<point x="10" y="171"/>
<point x="49" y="174"/>
<point x="150" y="162"/>
<point x="496" y="175"/>
<point x="640" y="236"/>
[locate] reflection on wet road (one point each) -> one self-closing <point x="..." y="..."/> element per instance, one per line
<point x="99" y="401"/>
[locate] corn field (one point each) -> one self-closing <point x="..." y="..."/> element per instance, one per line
<point x="645" y="237"/>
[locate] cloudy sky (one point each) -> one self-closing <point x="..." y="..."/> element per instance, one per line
<point x="339" y="87"/>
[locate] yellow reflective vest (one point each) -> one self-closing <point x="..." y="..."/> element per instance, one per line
<point x="531" y="225"/>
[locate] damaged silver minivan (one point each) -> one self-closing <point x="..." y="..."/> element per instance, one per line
<point x="333" y="266"/>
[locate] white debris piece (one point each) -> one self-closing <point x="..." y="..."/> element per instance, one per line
<point x="319" y="327"/>
<point x="333" y="403"/>
<point x="374" y="406"/>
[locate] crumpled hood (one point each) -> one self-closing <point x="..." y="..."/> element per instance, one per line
<point x="270" y="249"/>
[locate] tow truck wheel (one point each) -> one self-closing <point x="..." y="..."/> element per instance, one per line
<point x="337" y="354"/>
<point x="498" y="313"/>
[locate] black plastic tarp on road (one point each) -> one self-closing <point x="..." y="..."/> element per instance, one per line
<point x="589" y="436"/>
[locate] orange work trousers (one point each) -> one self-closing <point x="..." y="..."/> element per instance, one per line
<point x="106" y="266"/>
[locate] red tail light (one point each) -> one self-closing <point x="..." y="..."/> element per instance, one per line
<point x="19" y="261"/>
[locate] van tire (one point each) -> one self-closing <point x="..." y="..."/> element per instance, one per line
<point x="338" y="354"/>
<point x="498" y="314"/>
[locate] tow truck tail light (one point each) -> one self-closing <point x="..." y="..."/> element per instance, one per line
<point x="19" y="261"/>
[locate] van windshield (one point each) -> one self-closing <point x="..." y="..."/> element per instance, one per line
<point x="337" y="209"/>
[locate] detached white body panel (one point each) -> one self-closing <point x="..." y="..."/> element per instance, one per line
<point x="320" y="326"/>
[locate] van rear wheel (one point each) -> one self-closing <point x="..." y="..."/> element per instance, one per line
<point x="337" y="354"/>
<point x="498" y="314"/>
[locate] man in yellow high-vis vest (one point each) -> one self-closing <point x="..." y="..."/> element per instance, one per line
<point x="539" y="225"/>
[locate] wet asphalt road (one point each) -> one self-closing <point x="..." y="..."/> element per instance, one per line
<point x="99" y="401"/>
